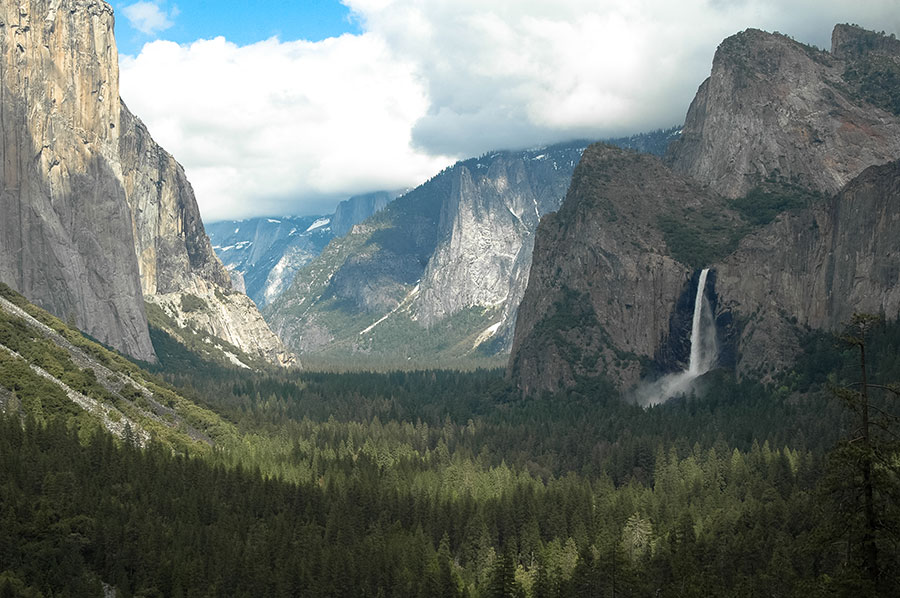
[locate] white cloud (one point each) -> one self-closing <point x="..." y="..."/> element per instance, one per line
<point x="517" y="72"/>
<point x="267" y="127"/>
<point x="148" y="17"/>
<point x="263" y="127"/>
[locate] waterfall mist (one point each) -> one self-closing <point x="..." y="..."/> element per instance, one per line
<point x="702" y="356"/>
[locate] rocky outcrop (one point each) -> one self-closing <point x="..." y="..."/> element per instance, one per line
<point x="438" y="273"/>
<point x="356" y="209"/>
<point x="231" y="317"/>
<point x="815" y="269"/>
<point x="99" y="217"/>
<point x="853" y="43"/>
<point x="775" y="109"/>
<point x="603" y="283"/>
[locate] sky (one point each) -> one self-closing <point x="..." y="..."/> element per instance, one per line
<point x="286" y="108"/>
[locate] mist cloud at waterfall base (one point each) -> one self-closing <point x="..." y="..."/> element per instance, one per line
<point x="703" y="355"/>
<point x="661" y="390"/>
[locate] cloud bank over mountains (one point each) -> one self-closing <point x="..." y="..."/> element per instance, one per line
<point x="282" y="126"/>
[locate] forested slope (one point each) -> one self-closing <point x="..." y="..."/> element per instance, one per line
<point x="448" y="484"/>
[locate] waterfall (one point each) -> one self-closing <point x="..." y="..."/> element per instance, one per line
<point x="702" y="355"/>
<point x="696" y="340"/>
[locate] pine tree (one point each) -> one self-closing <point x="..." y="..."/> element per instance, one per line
<point x="503" y="578"/>
<point x="865" y="476"/>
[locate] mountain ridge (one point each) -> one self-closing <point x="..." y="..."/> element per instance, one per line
<point x="263" y="254"/>
<point x="447" y="247"/>
<point x="452" y="291"/>
<point x="795" y="239"/>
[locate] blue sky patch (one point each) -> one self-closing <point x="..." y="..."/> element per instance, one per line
<point x="241" y="22"/>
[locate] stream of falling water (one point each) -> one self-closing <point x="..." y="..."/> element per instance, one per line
<point x="697" y="361"/>
<point x="702" y="355"/>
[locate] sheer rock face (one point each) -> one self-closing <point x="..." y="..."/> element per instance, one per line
<point x="775" y="109"/>
<point x="173" y="250"/>
<point x="356" y="209"/>
<point x="602" y="284"/>
<point x="65" y="229"/>
<point x="461" y="241"/>
<point x="816" y="268"/>
<point x="175" y="257"/>
<point x="486" y="230"/>
<point x="95" y="216"/>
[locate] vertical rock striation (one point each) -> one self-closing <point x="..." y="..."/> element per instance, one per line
<point x="66" y="239"/>
<point x="603" y="283"/>
<point x="95" y="216"/>
<point x="175" y="257"/>
<point x="486" y="234"/>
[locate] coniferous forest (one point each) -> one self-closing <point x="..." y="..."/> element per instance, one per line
<point x="730" y="271"/>
<point x="443" y="483"/>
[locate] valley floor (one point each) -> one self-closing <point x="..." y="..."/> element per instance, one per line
<point x="438" y="483"/>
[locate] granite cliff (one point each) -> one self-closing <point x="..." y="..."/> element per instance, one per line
<point x="354" y="210"/>
<point x="97" y="218"/>
<point x="603" y="281"/>
<point x="775" y="109"/>
<point x="814" y="269"/>
<point x="784" y="183"/>
<point x="437" y="274"/>
<point x="67" y="241"/>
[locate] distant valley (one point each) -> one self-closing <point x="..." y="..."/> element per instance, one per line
<point x="447" y="274"/>
<point x="264" y="254"/>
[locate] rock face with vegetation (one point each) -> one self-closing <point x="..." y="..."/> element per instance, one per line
<point x="99" y="217"/>
<point x="785" y="187"/>
<point x="775" y="109"/>
<point x="814" y="268"/>
<point x="607" y="271"/>
<point x="437" y="273"/>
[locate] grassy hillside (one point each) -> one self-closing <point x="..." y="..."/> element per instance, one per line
<point x="52" y="371"/>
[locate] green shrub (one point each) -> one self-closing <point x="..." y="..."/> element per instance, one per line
<point x="191" y="303"/>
